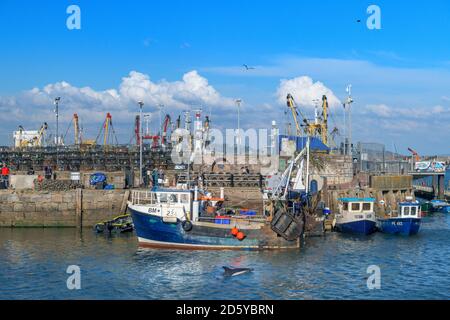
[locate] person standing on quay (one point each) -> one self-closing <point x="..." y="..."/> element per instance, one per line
<point x="5" y="175"/>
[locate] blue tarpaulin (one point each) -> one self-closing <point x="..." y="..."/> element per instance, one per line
<point x="97" y="178"/>
<point x="315" y="143"/>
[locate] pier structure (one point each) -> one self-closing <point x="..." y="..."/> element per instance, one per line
<point x="437" y="188"/>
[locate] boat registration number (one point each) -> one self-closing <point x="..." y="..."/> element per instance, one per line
<point x="153" y="210"/>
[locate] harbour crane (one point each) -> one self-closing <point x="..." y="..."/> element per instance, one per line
<point x="415" y="154"/>
<point x="167" y="122"/>
<point x="29" y="139"/>
<point x="318" y="128"/>
<point x="295" y="112"/>
<point x="40" y="136"/>
<point x="108" y="135"/>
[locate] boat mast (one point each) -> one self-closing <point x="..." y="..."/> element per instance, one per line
<point x="307" y="163"/>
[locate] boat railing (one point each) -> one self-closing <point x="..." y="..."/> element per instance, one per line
<point x="142" y="197"/>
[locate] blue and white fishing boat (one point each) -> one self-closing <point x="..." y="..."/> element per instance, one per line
<point x="193" y="219"/>
<point x="440" y="206"/>
<point x="356" y="216"/>
<point x="405" y="221"/>
<point x="189" y="219"/>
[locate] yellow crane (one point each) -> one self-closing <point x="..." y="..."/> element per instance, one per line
<point x="106" y="127"/>
<point x="319" y="128"/>
<point x="108" y="132"/>
<point x="41" y="134"/>
<point x="295" y="111"/>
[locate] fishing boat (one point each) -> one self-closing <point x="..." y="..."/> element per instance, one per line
<point x="404" y="221"/>
<point x="440" y="206"/>
<point x="356" y="216"/>
<point x="193" y="219"/>
<point x="187" y="219"/>
<point x="425" y="208"/>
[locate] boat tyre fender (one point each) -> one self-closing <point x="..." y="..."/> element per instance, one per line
<point x="187" y="226"/>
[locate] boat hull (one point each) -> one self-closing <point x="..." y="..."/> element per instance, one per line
<point x="153" y="232"/>
<point x="402" y="226"/>
<point x="364" y="227"/>
<point x="445" y="209"/>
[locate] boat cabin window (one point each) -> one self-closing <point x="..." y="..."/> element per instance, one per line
<point x="345" y="207"/>
<point x="173" y="198"/>
<point x="367" y="206"/>
<point x="163" y="197"/>
<point x="356" y="206"/>
<point x="406" y="211"/>
<point x="413" y="211"/>
<point x="184" y="198"/>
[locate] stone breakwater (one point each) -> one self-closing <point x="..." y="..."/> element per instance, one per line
<point x="74" y="208"/>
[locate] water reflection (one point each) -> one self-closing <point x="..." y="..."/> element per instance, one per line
<point x="33" y="265"/>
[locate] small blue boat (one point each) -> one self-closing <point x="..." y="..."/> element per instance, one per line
<point x="405" y="221"/>
<point x="440" y="206"/>
<point x="356" y="216"/>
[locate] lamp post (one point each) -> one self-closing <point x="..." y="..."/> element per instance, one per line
<point x="141" y="104"/>
<point x="161" y="107"/>
<point x="349" y="110"/>
<point x="56" y="102"/>
<point x="238" y="138"/>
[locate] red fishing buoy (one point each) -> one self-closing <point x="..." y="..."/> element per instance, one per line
<point x="240" y="236"/>
<point x="234" y="231"/>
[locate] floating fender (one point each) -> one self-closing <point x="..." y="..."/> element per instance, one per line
<point x="187" y="226"/>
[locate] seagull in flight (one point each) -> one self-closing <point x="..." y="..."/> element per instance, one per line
<point x="247" y="67"/>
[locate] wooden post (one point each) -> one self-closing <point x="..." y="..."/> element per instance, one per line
<point x="123" y="207"/>
<point x="435" y="187"/>
<point x="79" y="207"/>
<point x="441" y="187"/>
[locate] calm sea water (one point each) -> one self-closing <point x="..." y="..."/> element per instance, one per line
<point x="33" y="265"/>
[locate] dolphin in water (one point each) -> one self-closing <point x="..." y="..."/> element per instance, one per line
<point x="232" y="272"/>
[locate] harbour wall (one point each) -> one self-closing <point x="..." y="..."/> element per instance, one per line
<point x="387" y="189"/>
<point x="74" y="208"/>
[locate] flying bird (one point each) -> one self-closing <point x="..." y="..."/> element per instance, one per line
<point x="247" y="67"/>
<point x="359" y="20"/>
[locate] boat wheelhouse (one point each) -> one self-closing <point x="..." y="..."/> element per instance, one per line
<point x="356" y="216"/>
<point x="405" y="221"/>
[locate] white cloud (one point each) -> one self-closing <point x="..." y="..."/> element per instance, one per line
<point x="33" y="107"/>
<point x="381" y="110"/>
<point x="192" y="90"/>
<point x="305" y="90"/>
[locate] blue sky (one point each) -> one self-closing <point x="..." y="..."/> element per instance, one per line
<point x="400" y="74"/>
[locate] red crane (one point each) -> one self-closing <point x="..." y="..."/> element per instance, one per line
<point x="167" y="121"/>
<point x="415" y="154"/>
<point x="144" y="137"/>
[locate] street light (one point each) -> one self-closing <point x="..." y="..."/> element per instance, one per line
<point x="238" y="103"/>
<point x="349" y="110"/>
<point x="56" y="102"/>
<point x="161" y="107"/>
<point x="141" y="104"/>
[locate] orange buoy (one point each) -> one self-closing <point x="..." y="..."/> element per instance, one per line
<point x="234" y="231"/>
<point x="240" y="236"/>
